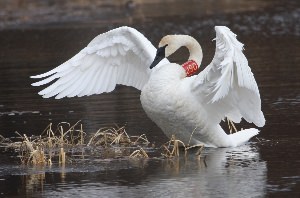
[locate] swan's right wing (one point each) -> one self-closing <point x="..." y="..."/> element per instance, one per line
<point x="120" y="56"/>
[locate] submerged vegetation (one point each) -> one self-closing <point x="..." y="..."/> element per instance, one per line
<point x="70" y="144"/>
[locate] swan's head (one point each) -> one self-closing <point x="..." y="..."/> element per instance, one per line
<point x="167" y="46"/>
<point x="170" y="43"/>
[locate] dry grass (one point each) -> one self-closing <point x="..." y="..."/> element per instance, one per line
<point x="69" y="143"/>
<point x="231" y="126"/>
<point x="41" y="150"/>
<point x="171" y="148"/>
<point x="140" y="153"/>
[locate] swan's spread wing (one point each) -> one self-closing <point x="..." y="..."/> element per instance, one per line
<point x="227" y="87"/>
<point x="120" y="56"/>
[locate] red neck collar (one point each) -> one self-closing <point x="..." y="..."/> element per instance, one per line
<point x="190" y="67"/>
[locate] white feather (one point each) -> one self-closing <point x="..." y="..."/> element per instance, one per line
<point x="234" y="90"/>
<point x="110" y="58"/>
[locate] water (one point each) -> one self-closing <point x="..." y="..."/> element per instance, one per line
<point x="189" y="176"/>
<point x="266" y="167"/>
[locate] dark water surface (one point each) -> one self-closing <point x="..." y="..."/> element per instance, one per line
<point x="267" y="167"/>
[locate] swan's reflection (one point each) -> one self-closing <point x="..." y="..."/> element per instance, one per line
<point x="222" y="172"/>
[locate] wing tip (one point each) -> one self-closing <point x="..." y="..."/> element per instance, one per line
<point x="36" y="76"/>
<point x="43" y="75"/>
<point x="35" y="84"/>
<point x="261" y="122"/>
<point x="221" y="28"/>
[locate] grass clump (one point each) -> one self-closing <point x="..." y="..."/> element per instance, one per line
<point x="69" y="143"/>
<point x="171" y="148"/>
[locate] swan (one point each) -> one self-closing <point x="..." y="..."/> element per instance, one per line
<point x="180" y="102"/>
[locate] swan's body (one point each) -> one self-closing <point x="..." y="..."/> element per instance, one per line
<point x="190" y="108"/>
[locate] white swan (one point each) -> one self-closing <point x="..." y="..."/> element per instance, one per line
<point x="190" y="108"/>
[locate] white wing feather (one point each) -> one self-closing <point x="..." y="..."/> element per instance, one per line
<point x="120" y="56"/>
<point x="227" y="86"/>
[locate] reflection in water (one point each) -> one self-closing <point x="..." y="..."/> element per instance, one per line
<point x="33" y="183"/>
<point x="223" y="172"/>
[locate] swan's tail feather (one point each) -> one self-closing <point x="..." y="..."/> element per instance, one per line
<point x="243" y="136"/>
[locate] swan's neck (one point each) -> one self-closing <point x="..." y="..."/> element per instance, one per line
<point x="174" y="42"/>
<point x="195" y="50"/>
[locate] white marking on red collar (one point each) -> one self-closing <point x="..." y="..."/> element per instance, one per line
<point x="190" y="67"/>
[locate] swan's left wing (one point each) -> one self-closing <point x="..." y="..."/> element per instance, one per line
<point x="226" y="87"/>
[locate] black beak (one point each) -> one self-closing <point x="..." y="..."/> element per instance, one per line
<point x="160" y="54"/>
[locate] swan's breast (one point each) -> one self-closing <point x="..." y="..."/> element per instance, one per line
<point x="170" y="104"/>
<point x="163" y="93"/>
